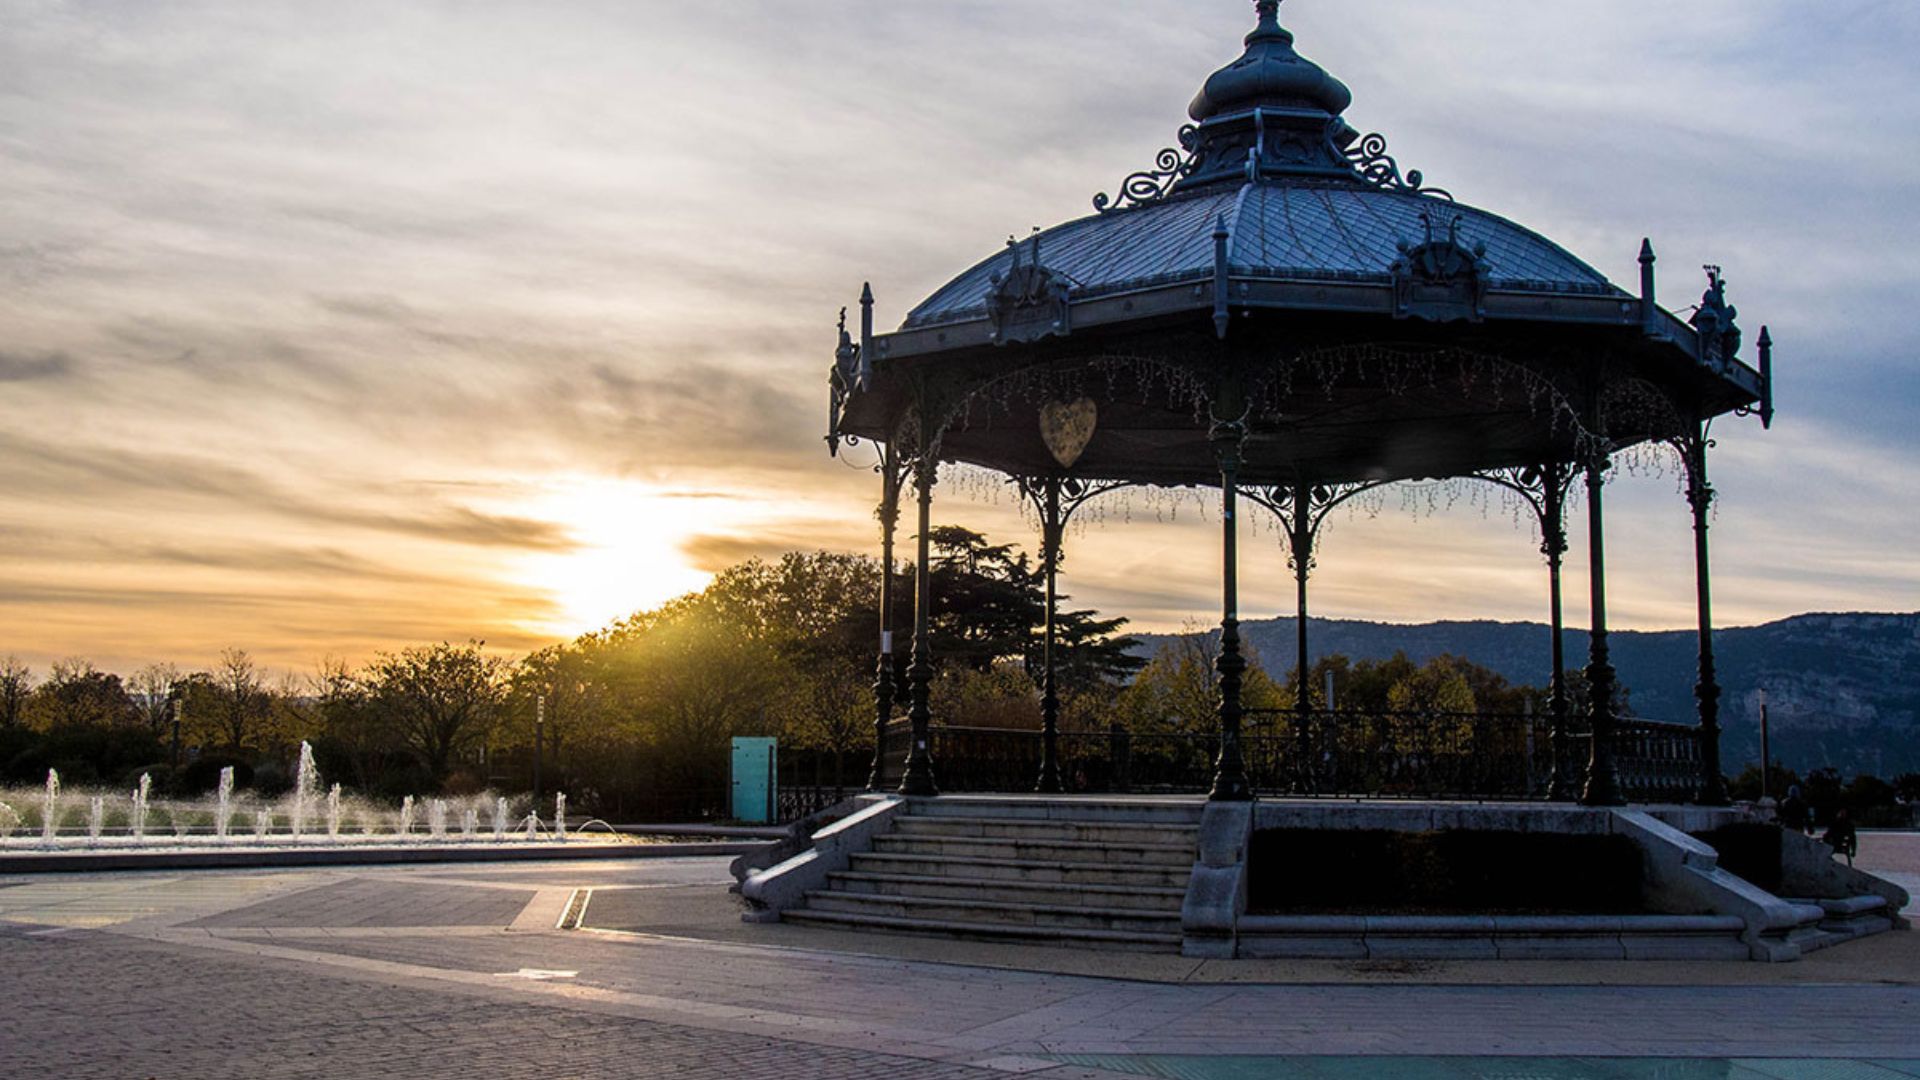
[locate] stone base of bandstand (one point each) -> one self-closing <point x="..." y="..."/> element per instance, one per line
<point x="1177" y="874"/>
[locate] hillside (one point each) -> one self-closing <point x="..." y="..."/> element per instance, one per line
<point x="1844" y="690"/>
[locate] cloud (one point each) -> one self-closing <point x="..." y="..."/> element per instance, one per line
<point x="288" y="299"/>
<point x="17" y="368"/>
<point x="110" y="473"/>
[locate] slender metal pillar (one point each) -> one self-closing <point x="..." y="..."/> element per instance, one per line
<point x="1554" y="546"/>
<point x="883" y="689"/>
<point x="1603" y="778"/>
<point x="918" y="779"/>
<point x="1052" y="527"/>
<point x="1230" y="770"/>
<point x="1301" y="548"/>
<point x="1700" y="494"/>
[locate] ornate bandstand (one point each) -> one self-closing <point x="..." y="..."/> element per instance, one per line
<point x="1279" y="311"/>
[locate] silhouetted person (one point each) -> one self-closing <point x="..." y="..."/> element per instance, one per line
<point x="1793" y="811"/>
<point x="1841" y="837"/>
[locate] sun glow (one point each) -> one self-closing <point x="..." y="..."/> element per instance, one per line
<point x="630" y="554"/>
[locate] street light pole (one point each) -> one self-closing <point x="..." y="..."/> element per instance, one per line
<point x="539" y="739"/>
<point x="1766" y="754"/>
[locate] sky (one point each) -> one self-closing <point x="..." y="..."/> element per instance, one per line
<point x="331" y="328"/>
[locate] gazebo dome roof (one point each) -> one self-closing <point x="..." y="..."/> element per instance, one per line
<point x="1301" y="195"/>
<point x="1303" y="230"/>
<point x="1387" y="331"/>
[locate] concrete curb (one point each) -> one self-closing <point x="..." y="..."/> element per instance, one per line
<point x="88" y="862"/>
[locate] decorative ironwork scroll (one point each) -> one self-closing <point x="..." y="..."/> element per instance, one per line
<point x="1303" y="532"/>
<point x="1376" y="167"/>
<point x="1150" y="186"/>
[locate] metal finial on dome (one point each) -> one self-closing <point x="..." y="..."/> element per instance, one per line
<point x="1269" y="28"/>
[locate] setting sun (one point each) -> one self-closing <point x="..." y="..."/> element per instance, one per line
<point x="631" y="541"/>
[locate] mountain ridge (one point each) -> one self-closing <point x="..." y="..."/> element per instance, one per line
<point x="1843" y="688"/>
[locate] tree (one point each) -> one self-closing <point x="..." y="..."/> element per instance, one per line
<point x="1437" y="687"/>
<point x="238" y="714"/>
<point x="77" y="694"/>
<point x="818" y="613"/>
<point x="441" y="701"/>
<point x="987" y="600"/>
<point x="332" y="707"/>
<point x="1746" y="786"/>
<point x="1824" y="791"/>
<point x="16" y="686"/>
<point x="990" y="606"/>
<point x="1178" y="690"/>
<point x="1906" y="787"/>
<point x="152" y="688"/>
<point x="576" y="693"/>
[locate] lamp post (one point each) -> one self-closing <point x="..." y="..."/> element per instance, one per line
<point x="539" y="738"/>
<point x="178" y="704"/>
<point x="1766" y="753"/>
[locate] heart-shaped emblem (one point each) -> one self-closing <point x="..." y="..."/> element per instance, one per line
<point x="1067" y="427"/>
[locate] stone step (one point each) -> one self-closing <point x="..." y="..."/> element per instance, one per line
<point x="998" y="913"/>
<point x="1132" y="897"/>
<point x="1035" y="870"/>
<point x="1033" y="935"/>
<point x="1105" y="832"/>
<point x="1065" y="851"/>
<point x="1113" y="809"/>
<point x="1467" y="937"/>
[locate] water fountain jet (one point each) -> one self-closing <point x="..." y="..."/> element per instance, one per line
<point x="50" y="809"/>
<point x="140" y="794"/>
<point x="223" y="804"/>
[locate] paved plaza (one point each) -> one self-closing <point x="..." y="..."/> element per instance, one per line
<point x="462" y="971"/>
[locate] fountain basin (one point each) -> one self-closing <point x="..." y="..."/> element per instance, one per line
<point x="373" y="853"/>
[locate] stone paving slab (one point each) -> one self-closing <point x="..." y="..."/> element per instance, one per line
<point x="114" y="899"/>
<point x="709" y="915"/>
<point x="151" y="1010"/>
<point x="363" y="902"/>
<point x="261" y="975"/>
<point x="983" y="1010"/>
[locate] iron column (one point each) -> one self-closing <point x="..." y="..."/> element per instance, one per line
<point x="1554" y="547"/>
<point x="1301" y="548"/>
<point x="1603" y="778"/>
<point x="918" y="779"/>
<point x="1700" y="494"/>
<point x="883" y="693"/>
<point x="1051" y="528"/>
<point x="1230" y="771"/>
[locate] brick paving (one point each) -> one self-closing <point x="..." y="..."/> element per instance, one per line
<point x="88" y="1005"/>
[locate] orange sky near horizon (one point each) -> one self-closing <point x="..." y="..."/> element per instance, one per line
<point x="325" y="336"/>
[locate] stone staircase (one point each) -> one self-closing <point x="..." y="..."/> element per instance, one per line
<point x="1034" y="869"/>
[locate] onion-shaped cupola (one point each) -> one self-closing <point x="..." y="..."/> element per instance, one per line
<point x="1270" y="113"/>
<point x="1270" y="74"/>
